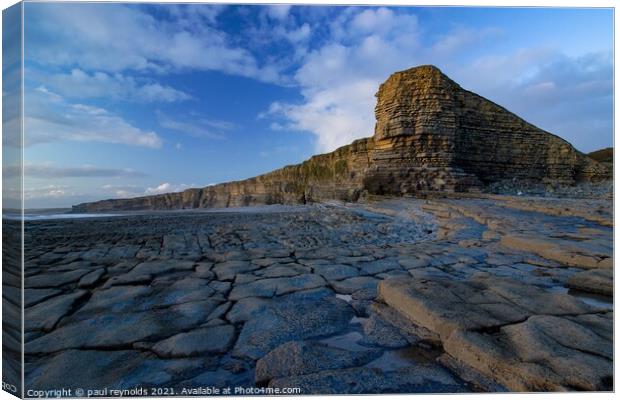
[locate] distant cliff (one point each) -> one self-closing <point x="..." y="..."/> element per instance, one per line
<point x="605" y="155"/>
<point x="430" y="135"/>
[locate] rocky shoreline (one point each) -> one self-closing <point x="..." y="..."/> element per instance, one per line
<point x="396" y="295"/>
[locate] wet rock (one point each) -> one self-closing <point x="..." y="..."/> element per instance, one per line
<point x="302" y="358"/>
<point x="201" y="341"/>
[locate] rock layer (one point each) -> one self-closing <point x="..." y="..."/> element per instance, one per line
<point x="430" y="135"/>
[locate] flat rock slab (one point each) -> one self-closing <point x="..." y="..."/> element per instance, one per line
<point x="522" y="337"/>
<point x="110" y="330"/>
<point x="229" y="269"/>
<point x="482" y="302"/>
<point x="302" y="358"/>
<point x="567" y="252"/>
<point x="276" y="286"/>
<point x="34" y="296"/>
<point x="145" y="271"/>
<point x="544" y="353"/>
<point x="44" y="316"/>
<point x="291" y="319"/>
<point x="336" y="272"/>
<point x="600" y="281"/>
<point x="419" y="379"/>
<point x="91" y="278"/>
<point x="122" y="369"/>
<point x="54" y="280"/>
<point x="348" y="286"/>
<point x="87" y="369"/>
<point x="379" y="332"/>
<point x="211" y="340"/>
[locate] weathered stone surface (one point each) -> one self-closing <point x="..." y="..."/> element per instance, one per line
<point x="202" y="341"/>
<point x="247" y="308"/>
<point x="91" y="278"/>
<point x="483" y="302"/>
<point x="128" y="328"/>
<point x="54" y="280"/>
<point x="420" y="379"/>
<point x="291" y="320"/>
<point x="544" y="353"/>
<point x="574" y="254"/>
<point x="276" y="286"/>
<point x="227" y="270"/>
<point x="336" y="272"/>
<point x="87" y="369"/>
<point x="302" y="358"/>
<point x="599" y="281"/>
<point x="493" y="323"/>
<point x="379" y="332"/>
<point x="45" y="315"/>
<point x="34" y="296"/>
<point x="354" y="284"/>
<point x="523" y="338"/>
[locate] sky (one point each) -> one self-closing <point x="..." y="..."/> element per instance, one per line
<point x="125" y="100"/>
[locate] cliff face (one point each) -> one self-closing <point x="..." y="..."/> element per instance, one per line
<point x="430" y="135"/>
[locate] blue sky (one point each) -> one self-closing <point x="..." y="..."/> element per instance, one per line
<point x="126" y="100"/>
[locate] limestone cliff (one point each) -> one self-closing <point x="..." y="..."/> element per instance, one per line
<point x="430" y="135"/>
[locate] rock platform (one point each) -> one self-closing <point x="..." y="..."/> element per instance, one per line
<point x="397" y="295"/>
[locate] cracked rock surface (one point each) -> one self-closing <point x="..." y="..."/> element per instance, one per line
<point x="450" y="294"/>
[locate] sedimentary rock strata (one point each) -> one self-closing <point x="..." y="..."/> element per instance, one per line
<point x="430" y="135"/>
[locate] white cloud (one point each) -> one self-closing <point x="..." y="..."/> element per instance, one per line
<point x="167" y="187"/>
<point x="123" y="191"/>
<point x="79" y="84"/>
<point x="338" y="80"/>
<point x="279" y="11"/>
<point x="117" y="37"/>
<point x="49" y="170"/>
<point x="196" y="126"/>
<point x="50" y="118"/>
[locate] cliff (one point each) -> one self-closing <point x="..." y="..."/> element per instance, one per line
<point x="430" y="135"/>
